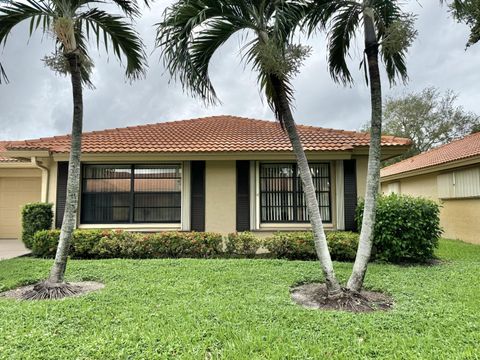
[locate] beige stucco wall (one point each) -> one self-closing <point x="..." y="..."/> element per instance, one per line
<point x="459" y="218"/>
<point x="220" y="196"/>
<point x="4" y="172"/>
<point x="421" y="185"/>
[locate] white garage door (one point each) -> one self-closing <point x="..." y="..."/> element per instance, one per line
<point x="14" y="193"/>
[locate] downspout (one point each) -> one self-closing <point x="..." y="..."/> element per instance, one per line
<point x="45" y="171"/>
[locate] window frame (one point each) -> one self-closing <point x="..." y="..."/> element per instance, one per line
<point x="132" y="192"/>
<point x="296" y="191"/>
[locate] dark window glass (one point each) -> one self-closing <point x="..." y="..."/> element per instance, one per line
<point x="131" y="193"/>
<point x="157" y="195"/>
<point x="281" y="193"/>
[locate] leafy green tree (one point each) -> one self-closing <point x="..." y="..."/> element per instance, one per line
<point x="387" y="33"/>
<point x="193" y="30"/>
<point x="71" y="24"/>
<point x="467" y="12"/>
<point x="428" y="118"/>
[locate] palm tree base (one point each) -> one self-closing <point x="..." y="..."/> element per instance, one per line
<point x="46" y="290"/>
<point x="315" y="296"/>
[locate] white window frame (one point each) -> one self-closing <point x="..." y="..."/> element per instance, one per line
<point x="255" y="221"/>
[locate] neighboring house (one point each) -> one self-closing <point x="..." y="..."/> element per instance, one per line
<point x="20" y="183"/>
<point x="449" y="174"/>
<point x="220" y="173"/>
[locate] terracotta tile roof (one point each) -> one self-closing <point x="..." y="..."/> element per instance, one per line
<point x="210" y="134"/>
<point x="464" y="148"/>
<point x="6" y="159"/>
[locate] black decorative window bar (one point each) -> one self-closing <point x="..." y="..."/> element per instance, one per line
<point x="281" y="193"/>
<point x="122" y="194"/>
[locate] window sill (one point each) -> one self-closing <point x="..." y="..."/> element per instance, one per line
<point x="473" y="197"/>
<point x="289" y="226"/>
<point x="136" y="227"/>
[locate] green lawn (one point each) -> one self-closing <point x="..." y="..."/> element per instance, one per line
<point x="241" y="309"/>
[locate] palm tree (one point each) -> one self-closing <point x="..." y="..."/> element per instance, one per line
<point x="72" y="23"/>
<point x="192" y="31"/>
<point x="387" y="33"/>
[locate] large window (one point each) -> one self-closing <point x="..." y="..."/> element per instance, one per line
<point x="464" y="183"/>
<point x="281" y="194"/>
<point x="131" y="194"/>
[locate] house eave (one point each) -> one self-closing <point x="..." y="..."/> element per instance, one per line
<point x="387" y="152"/>
<point x="16" y="165"/>
<point x="25" y="154"/>
<point x="430" y="169"/>
<point x="185" y="156"/>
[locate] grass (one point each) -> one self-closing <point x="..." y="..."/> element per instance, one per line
<point x="241" y="309"/>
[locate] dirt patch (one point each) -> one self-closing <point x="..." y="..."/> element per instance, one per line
<point x="81" y="288"/>
<point x="314" y="296"/>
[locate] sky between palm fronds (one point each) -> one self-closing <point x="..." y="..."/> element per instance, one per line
<point x="36" y="95"/>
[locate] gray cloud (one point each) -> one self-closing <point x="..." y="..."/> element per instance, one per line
<point x="37" y="102"/>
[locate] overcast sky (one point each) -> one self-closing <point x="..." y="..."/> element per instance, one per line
<point x="37" y="102"/>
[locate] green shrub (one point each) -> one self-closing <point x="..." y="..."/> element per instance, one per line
<point x="159" y="245"/>
<point x="342" y="245"/>
<point x="91" y="244"/>
<point x="84" y="242"/>
<point x="242" y="244"/>
<point x="292" y="245"/>
<point x="35" y="217"/>
<point x="299" y="245"/>
<point x="45" y="243"/>
<point x="105" y="244"/>
<point x="406" y="228"/>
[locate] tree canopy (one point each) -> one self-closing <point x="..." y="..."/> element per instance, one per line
<point x="429" y="118"/>
<point x="71" y="24"/>
<point x="468" y="12"/>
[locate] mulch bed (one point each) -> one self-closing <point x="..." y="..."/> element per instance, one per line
<point x="314" y="296"/>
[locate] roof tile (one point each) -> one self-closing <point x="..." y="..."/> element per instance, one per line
<point x="464" y="148"/>
<point x="210" y="134"/>
<point x="4" y="159"/>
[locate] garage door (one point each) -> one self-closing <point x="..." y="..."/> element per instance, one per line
<point x="14" y="193"/>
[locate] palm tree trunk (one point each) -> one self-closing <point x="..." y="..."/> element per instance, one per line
<point x="355" y="282"/>
<point x="285" y="114"/>
<point x="73" y="182"/>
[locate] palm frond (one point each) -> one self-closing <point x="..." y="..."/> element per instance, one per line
<point x="3" y="74"/>
<point x="288" y="17"/>
<point x="190" y="33"/>
<point x="12" y="14"/>
<point x="320" y="12"/>
<point x="341" y="33"/>
<point x="387" y="14"/>
<point x="128" y="7"/>
<point x="87" y="62"/>
<point x="119" y="36"/>
<point x="193" y="30"/>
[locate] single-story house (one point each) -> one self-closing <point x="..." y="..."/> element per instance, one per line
<point x="449" y="174"/>
<point x="220" y="173"/>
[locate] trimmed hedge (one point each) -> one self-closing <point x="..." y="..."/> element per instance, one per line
<point x="100" y="244"/>
<point x="299" y="245"/>
<point x="35" y="217"/>
<point x="242" y="244"/>
<point x="406" y="228"/>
